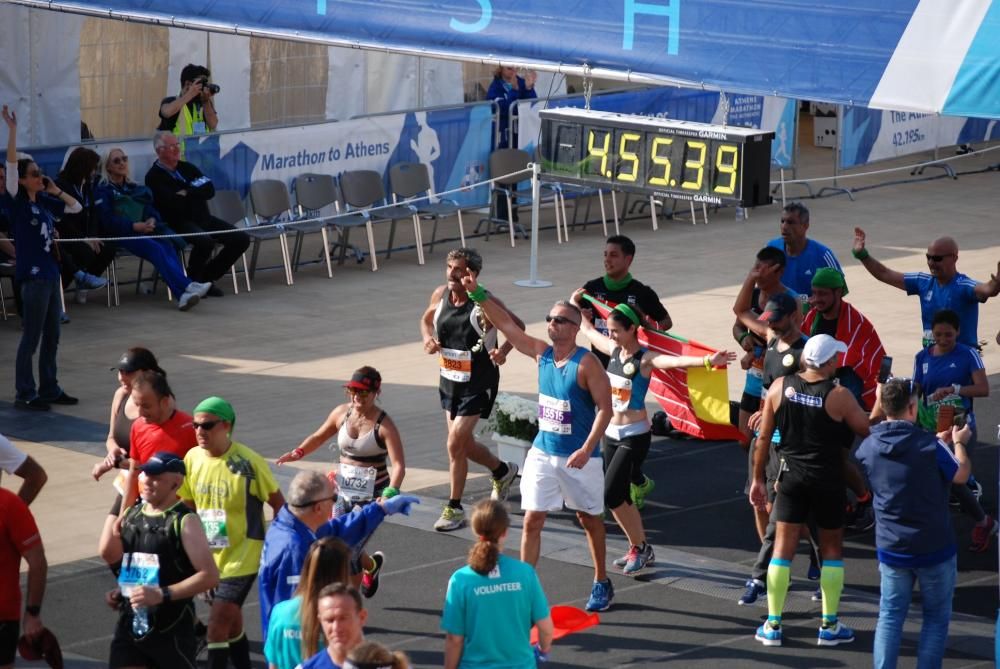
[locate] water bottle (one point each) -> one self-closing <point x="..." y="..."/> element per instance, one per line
<point x="140" y="621"/>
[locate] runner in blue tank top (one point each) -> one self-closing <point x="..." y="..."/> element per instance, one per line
<point x="627" y="438"/>
<point x="574" y="409"/>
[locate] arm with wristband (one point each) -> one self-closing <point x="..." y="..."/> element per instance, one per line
<point x="317" y="438"/>
<point x="501" y="319"/>
<point x="874" y="267"/>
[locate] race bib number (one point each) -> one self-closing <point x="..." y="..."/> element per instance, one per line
<point x="554" y="415"/>
<point x="139" y="569"/>
<point x="456" y="365"/>
<point x="621" y="392"/>
<point x="356" y="483"/>
<point x="214" y="521"/>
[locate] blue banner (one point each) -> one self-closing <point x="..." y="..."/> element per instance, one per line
<point x="846" y="51"/>
<point x="453" y="143"/>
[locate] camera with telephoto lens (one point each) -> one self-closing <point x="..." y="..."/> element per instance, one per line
<point x="211" y="88"/>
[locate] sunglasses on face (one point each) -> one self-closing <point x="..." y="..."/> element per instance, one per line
<point x="560" y="320"/>
<point x="33" y="173"/>
<point x="207" y="425"/>
<point x="938" y="258"/>
<point x="361" y="394"/>
<point x="118" y="160"/>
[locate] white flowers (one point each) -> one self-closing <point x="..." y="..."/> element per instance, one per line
<point x="517" y="408"/>
<point x="512" y="416"/>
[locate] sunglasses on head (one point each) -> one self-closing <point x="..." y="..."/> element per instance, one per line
<point x="936" y="258"/>
<point x="560" y="320"/>
<point x="206" y="425"/>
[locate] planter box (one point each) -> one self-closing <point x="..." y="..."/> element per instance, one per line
<point x="510" y="449"/>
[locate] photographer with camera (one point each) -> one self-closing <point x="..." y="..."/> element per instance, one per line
<point x="193" y="111"/>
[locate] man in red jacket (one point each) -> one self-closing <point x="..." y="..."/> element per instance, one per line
<point x="831" y="315"/>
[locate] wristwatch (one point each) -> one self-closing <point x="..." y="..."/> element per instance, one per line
<point x="165" y="593"/>
<point x="33" y="610"/>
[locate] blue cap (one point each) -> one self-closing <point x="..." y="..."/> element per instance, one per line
<point x="164" y="462"/>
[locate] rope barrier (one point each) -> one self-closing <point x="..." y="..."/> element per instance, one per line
<point x="888" y="170"/>
<point x="292" y="223"/>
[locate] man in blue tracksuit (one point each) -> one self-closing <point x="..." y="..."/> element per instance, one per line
<point x="303" y="519"/>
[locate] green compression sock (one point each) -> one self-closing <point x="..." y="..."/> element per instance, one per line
<point x="778" y="577"/>
<point x="831" y="582"/>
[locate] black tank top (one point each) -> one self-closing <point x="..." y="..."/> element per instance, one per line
<point x="781" y="363"/>
<point x="160" y="534"/>
<point x="812" y="443"/>
<point x="458" y="336"/>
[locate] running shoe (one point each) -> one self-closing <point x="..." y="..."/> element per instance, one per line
<point x="501" y="486"/>
<point x="976" y="487"/>
<point x="640" y="492"/>
<point x="814" y="572"/>
<point x="369" y="579"/>
<point x="622" y="561"/>
<point x="860" y="516"/>
<point x="638" y="558"/>
<point x="835" y="635"/>
<point x="188" y="300"/>
<point x="451" y="519"/>
<point x="89" y="281"/>
<point x="818" y="595"/>
<point x="769" y="634"/>
<point x="200" y="288"/>
<point x="601" y="595"/>
<point x="755" y="589"/>
<point x="981" y="535"/>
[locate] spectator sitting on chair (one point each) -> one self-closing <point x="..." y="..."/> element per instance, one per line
<point x="192" y="111"/>
<point x="181" y="194"/>
<point x="84" y="262"/>
<point x="126" y="210"/>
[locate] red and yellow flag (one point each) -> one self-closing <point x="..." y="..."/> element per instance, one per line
<point x="696" y="400"/>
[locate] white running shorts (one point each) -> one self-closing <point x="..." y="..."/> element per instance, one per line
<point x="547" y="483"/>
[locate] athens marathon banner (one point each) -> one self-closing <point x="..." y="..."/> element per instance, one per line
<point x="685" y="104"/>
<point x="454" y="143"/>
<point x="869" y="135"/>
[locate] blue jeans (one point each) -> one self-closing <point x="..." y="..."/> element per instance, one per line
<point x="41" y="308"/>
<point x="937" y="584"/>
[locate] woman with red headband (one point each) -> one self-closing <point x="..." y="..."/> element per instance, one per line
<point x="367" y="439"/>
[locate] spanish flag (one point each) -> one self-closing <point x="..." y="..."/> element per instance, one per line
<point x="697" y="399"/>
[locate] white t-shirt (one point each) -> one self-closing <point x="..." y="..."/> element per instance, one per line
<point x="11" y="458"/>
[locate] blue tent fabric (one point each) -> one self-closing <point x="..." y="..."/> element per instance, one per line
<point x="842" y="51"/>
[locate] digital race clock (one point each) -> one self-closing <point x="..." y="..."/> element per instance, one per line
<point x="654" y="156"/>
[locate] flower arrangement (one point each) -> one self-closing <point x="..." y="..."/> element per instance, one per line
<point x="514" y="417"/>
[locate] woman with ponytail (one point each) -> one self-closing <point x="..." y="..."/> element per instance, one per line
<point x="492" y="602"/>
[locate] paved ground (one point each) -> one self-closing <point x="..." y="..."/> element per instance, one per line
<point x="280" y="354"/>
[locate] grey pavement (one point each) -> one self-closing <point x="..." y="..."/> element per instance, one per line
<point x="280" y="354"/>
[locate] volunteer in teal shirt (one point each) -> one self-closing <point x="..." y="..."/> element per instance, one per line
<point x="492" y="603"/>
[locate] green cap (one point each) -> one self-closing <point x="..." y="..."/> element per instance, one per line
<point x="217" y="407"/>
<point x="828" y="277"/>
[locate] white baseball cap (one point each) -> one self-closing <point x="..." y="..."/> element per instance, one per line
<point x="820" y="348"/>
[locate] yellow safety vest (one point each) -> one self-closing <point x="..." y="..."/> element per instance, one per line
<point x="190" y="123"/>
